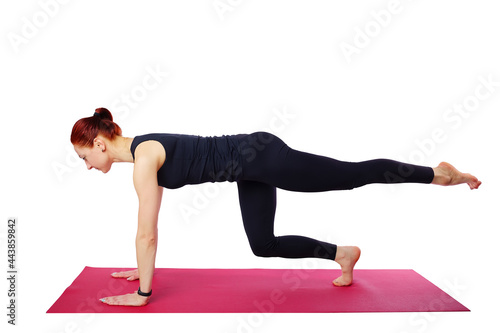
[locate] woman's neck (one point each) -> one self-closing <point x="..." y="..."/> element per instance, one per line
<point x="119" y="149"/>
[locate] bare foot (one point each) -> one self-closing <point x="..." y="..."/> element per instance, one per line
<point x="446" y="174"/>
<point x="346" y="257"/>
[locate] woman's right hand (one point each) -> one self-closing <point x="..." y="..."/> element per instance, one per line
<point x="129" y="275"/>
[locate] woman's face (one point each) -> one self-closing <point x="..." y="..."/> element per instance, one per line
<point x="95" y="157"/>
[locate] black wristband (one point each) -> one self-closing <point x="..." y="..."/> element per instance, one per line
<point x="144" y="294"/>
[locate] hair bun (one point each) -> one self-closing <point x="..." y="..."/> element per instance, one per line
<point x="87" y="129"/>
<point x="103" y="113"/>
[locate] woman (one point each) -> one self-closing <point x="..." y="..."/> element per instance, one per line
<point x="258" y="162"/>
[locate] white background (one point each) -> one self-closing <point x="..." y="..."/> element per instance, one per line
<point x="234" y="70"/>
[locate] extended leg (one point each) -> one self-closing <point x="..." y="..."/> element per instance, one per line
<point x="273" y="162"/>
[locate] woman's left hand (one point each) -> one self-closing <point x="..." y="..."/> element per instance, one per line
<point x="133" y="299"/>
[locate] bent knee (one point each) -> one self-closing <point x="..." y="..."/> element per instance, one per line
<point x="265" y="251"/>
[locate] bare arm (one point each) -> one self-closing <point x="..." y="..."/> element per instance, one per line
<point x="150" y="194"/>
<point x="149" y="157"/>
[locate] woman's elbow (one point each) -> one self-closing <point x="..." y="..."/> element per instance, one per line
<point x="147" y="238"/>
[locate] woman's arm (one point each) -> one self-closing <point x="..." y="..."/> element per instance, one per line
<point x="149" y="157"/>
<point x="149" y="193"/>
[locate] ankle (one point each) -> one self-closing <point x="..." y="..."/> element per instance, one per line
<point x="441" y="177"/>
<point x="340" y="253"/>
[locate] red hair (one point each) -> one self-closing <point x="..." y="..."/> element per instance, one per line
<point x="86" y="130"/>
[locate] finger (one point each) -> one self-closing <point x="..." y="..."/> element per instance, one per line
<point x="111" y="300"/>
<point x="117" y="274"/>
<point x="121" y="274"/>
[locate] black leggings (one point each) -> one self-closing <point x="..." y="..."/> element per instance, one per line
<point x="268" y="163"/>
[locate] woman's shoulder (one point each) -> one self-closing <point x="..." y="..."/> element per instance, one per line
<point x="148" y="144"/>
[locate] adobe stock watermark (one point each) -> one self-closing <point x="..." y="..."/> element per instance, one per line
<point x="223" y="7"/>
<point x="453" y="119"/>
<point x="280" y="119"/>
<point x="91" y="305"/>
<point x="153" y="78"/>
<point x="32" y="25"/>
<point x="419" y="322"/>
<point x="292" y="279"/>
<point x="363" y="37"/>
<point x="120" y="108"/>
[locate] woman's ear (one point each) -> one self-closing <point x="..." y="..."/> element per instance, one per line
<point x="99" y="144"/>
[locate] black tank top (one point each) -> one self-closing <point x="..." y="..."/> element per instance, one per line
<point x="194" y="159"/>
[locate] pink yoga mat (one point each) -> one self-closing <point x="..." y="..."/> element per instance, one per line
<point x="259" y="290"/>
